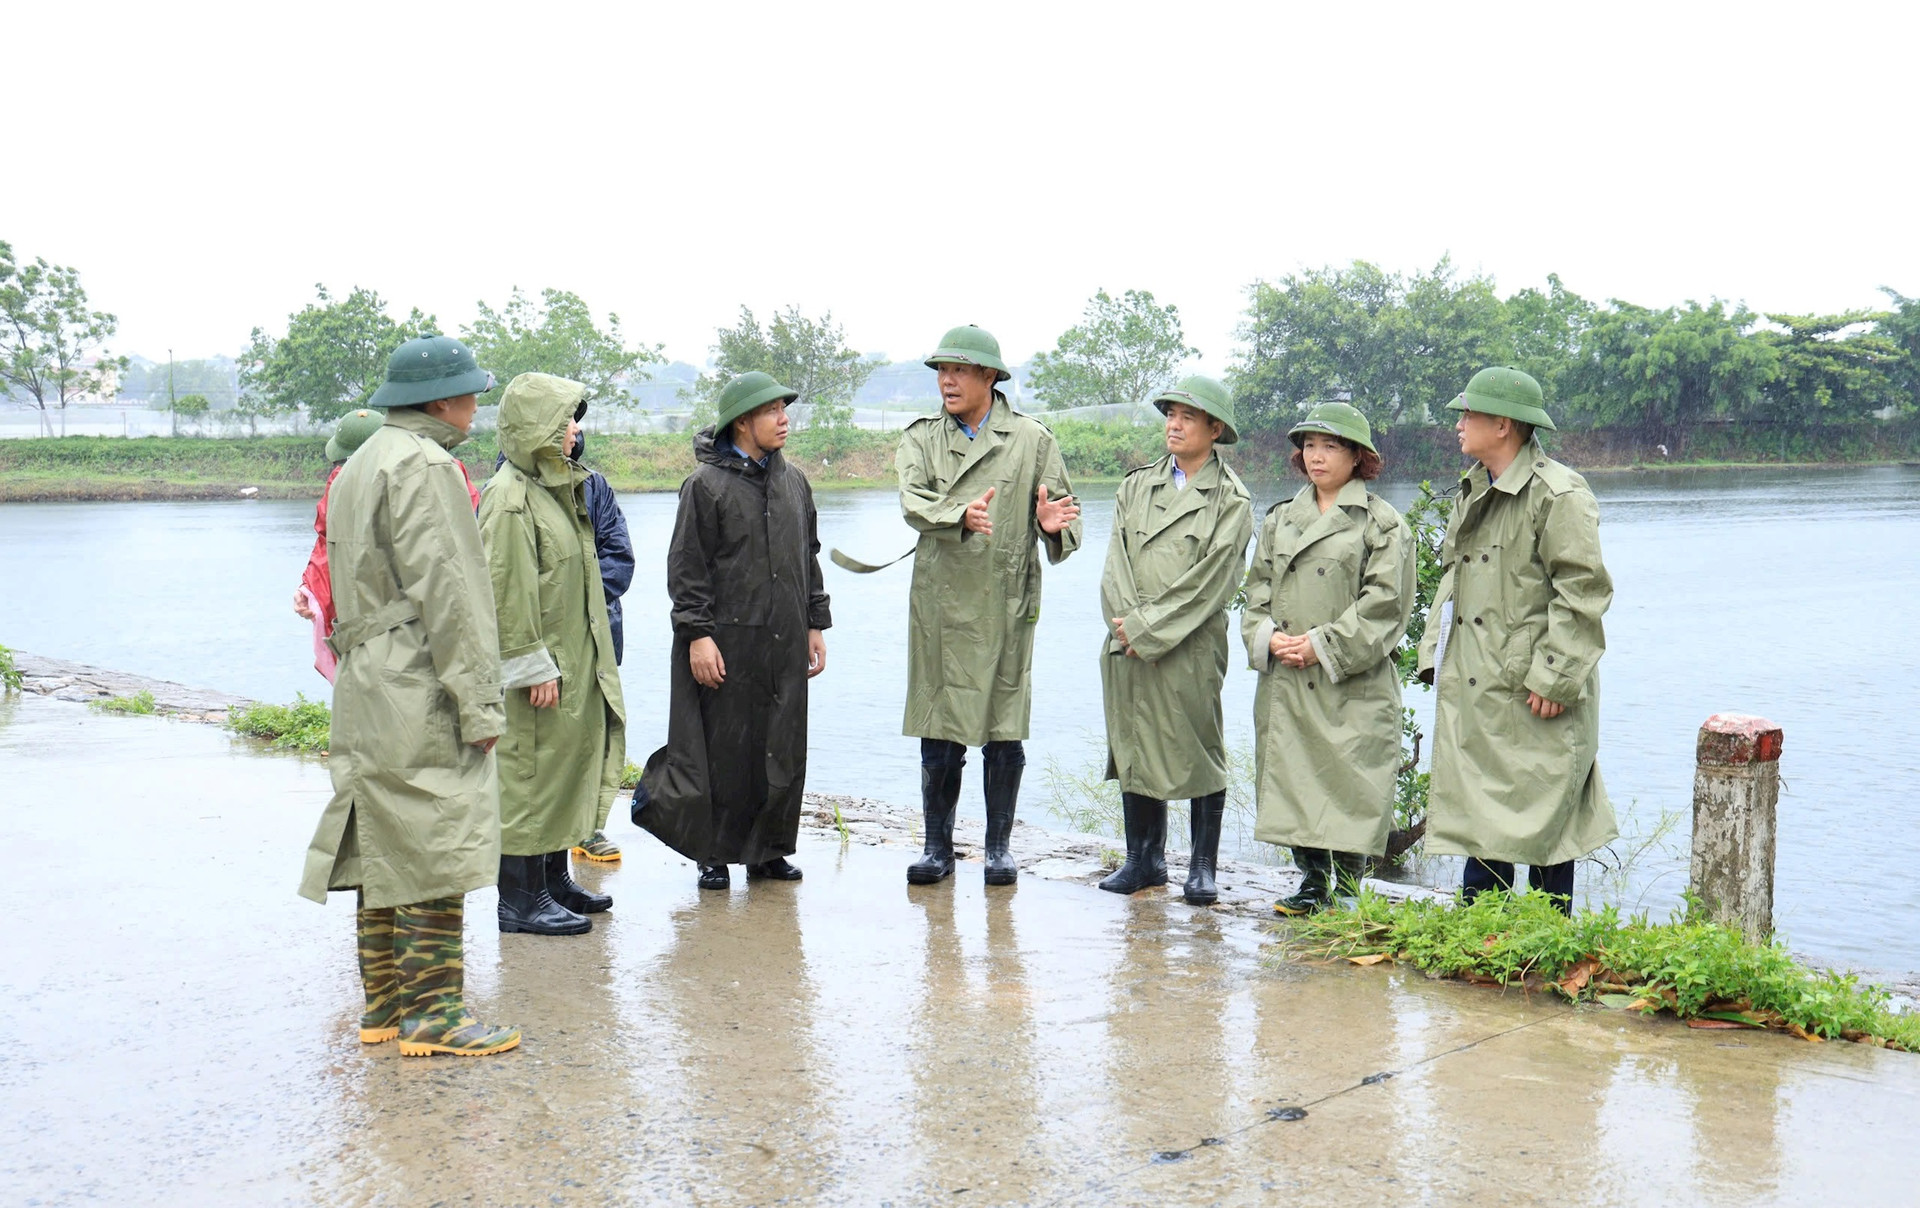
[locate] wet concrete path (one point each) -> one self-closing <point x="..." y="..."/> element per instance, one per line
<point x="181" y="1030"/>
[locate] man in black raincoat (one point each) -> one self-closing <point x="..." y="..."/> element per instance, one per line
<point x="748" y="610"/>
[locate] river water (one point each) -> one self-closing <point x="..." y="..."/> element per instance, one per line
<point x="1795" y="594"/>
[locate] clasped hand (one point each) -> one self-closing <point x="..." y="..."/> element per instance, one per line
<point x="1292" y="651"/>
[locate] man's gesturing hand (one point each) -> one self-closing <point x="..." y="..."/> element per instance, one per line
<point x="977" y="521"/>
<point x="1057" y="514"/>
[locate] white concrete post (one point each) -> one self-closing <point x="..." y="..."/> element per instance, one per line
<point x="1736" y="791"/>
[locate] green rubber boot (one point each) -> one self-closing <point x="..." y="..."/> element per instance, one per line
<point x="1350" y="871"/>
<point x="1316" y="883"/>
<point x="380" y="1021"/>
<point x="432" y="977"/>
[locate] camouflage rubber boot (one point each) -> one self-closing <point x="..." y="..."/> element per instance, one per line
<point x="432" y="978"/>
<point x="599" y="849"/>
<point x="381" y="1019"/>
<point x="1350" y="873"/>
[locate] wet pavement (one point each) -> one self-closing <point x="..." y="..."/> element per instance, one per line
<point x="182" y="1031"/>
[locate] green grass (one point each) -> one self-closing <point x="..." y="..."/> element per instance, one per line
<point x="140" y="704"/>
<point x="1695" y="969"/>
<point x="10" y="677"/>
<point x="305" y="725"/>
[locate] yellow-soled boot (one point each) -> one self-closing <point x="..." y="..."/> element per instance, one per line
<point x="432" y="976"/>
<point x="380" y="1021"/>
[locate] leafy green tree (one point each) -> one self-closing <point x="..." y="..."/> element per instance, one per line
<point x="810" y="356"/>
<point x="1545" y="329"/>
<point x="193" y="406"/>
<point x="332" y="359"/>
<point x="1902" y="326"/>
<point x="1662" y="370"/>
<point x="559" y="336"/>
<point x="1122" y="352"/>
<point x="1396" y="347"/>
<point x="51" y="344"/>
<point x="1832" y="366"/>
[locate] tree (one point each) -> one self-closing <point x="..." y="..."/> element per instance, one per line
<point x="193" y="406"/>
<point x="1397" y="348"/>
<point x="806" y="355"/>
<point x="1545" y="330"/>
<point x="1902" y="326"/>
<point x="1832" y="365"/>
<point x="559" y="336"/>
<point x="1121" y="353"/>
<point x="332" y="359"/>
<point x="1663" y="370"/>
<point x="49" y="338"/>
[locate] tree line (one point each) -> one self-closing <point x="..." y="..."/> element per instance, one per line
<point x="1398" y="346"/>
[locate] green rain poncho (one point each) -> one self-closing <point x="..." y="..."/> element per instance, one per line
<point x="559" y="767"/>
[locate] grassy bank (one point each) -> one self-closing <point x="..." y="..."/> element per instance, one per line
<point x="1701" y="972"/>
<point x="286" y="467"/>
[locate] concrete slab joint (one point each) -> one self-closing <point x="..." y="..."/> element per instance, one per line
<point x="1736" y="795"/>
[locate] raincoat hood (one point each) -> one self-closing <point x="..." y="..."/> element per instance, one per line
<point x="711" y="449"/>
<point x="533" y="425"/>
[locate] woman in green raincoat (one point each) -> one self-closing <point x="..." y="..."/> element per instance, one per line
<point x="1174" y="562"/>
<point x="565" y="744"/>
<point x="1328" y="599"/>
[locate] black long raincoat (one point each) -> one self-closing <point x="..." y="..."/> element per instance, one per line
<point x="744" y="570"/>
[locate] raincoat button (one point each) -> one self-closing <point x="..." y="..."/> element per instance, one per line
<point x="1321" y="570"/>
<point x="1283" y="627"/>
<point x="1549" y="660"/>
<point x="1483" y="557"/>
<point x="1476" y="620"/>
<point x="1471" y="682"/>
<point x="1309" y="685"/>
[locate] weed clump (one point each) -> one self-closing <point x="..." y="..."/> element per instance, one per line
<point x="140" y="704"/>
<point x="1702" y="972"/>
<point x="305" y="725"/>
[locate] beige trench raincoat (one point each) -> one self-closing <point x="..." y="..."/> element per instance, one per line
<point x="1327" y="736"/>
<point x="975" y="599"/>
<point x="1174" y="563"/>
<point x="415" y="813"/>
<point x="1527" y="590"/>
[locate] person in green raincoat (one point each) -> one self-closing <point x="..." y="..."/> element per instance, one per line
<point x="986" y="488"/>
<point x="1511" y="648"/>
<point x="414" y="822"/>
<point x="1174" y="562"/>
<point x="566" y="739"/>
<point x="1328" y="599"/>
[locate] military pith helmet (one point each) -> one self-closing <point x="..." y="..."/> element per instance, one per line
<point x="429" y="368"/>
<point x="746" y="392"/>
<point x="353" y="431"/>
<point x="969" y="345"/>
<point x="1335" y="419"/>
<point x="1205" y="394"/>
<point x="1504" y="390"/>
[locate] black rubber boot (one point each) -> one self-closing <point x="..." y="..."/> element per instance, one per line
<point x="1146" y="866"/>
<point x="1207" y="815"/>
<point x="776" y="869"/>
<point x="715" y="876"/>
<point x="525" y="904"/>
<point x="1350" y="870"/>
<point x="939" y="800"/>
<point x="568" y="892"/>
<point x="1003" y="794"/>
<point x="1316" y="874"/>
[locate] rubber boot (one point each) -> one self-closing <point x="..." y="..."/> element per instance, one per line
<point x="432" y="980"/>
<point x="568" y="892"/>
<point x="776" y="869"/>
<point x="1207" y="814"/>
<point x="599" y="849"/>
<point x="1315" y="893"/>
<point x="715" y="876"/>
<point x="1350" y="871"/>
<point x="939" y="800"/>
<point x="525" y="904"/>
<point x="380" y="1021"/>
<point x="1003" y="795"/>
<point x="1146" y="866"/>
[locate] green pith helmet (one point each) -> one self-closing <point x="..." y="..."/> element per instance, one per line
<point x="1504" y="390"/>
<point x="969" y="345"/>
<point x="1206" y="394"/>
<point x="1335" y="419"/>
<point x="353" y="431"/>
<point x="746" y="392"/>
<point x="430" y="368"/>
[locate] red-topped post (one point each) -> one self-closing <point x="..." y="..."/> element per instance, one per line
<point x="1736" y="792"/>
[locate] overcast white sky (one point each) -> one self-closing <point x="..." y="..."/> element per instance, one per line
<point x="916" y="166"/>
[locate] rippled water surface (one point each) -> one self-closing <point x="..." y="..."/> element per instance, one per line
<point x="1790" y="593"/>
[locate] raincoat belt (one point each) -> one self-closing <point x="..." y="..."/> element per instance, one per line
<point x="349" y="634"/>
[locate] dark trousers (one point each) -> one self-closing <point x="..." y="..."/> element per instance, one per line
<point x="939" y="753"/>
<point x="1555" y="879"/>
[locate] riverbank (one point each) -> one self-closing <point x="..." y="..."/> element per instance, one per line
<point x="282" y="467"/>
